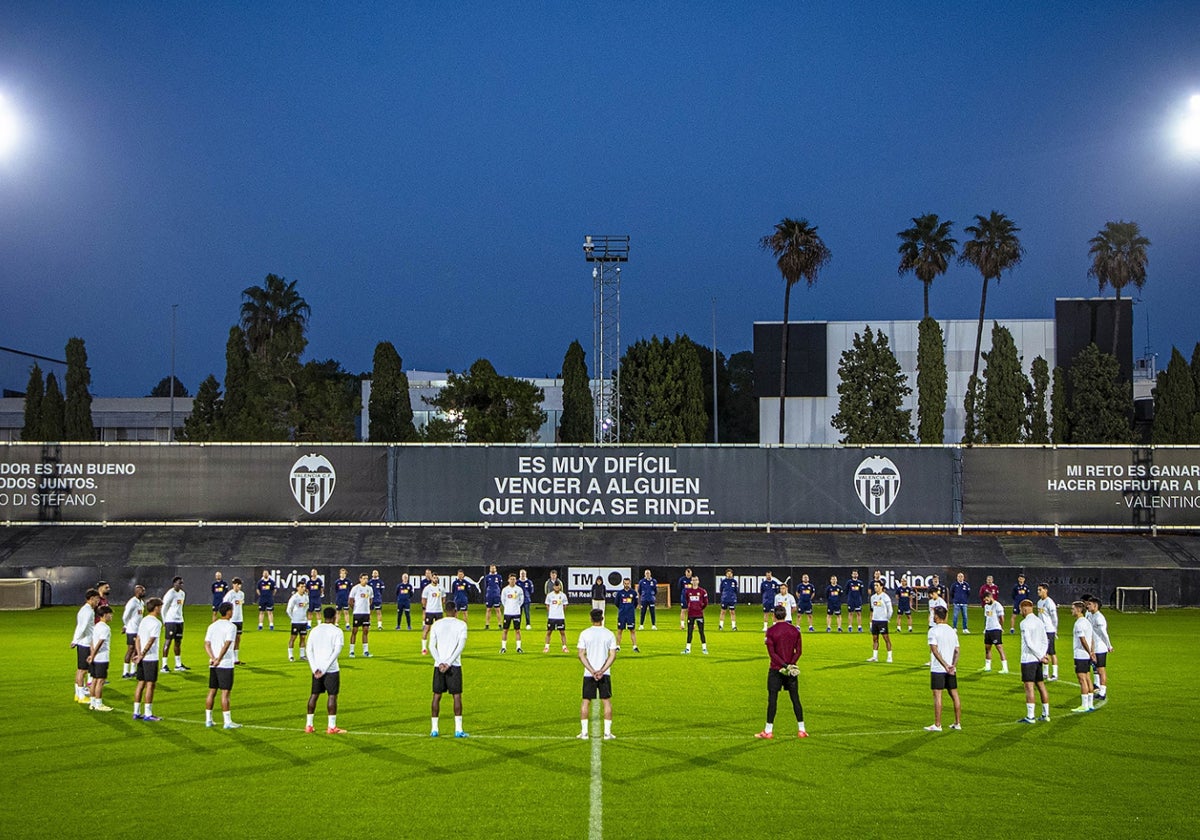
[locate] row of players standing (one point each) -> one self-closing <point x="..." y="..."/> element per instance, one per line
<point x="855" y="590"/>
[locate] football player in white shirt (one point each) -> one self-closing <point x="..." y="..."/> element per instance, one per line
<point x="297" y="610"/>
<point x="1103" y="645"/>
<point x="556" y="616"/>
<point x="1048" y="612"/>
<point x="787" y="600"/>
<point x="881" y="617"/>
<point x="360" y="604"/>
<point x="236" y="597"/>
<point x="172" y="618"/>
<point x="943" y="668"/>
<point x="99" y="656"/>
<point x="431" y="606"/>
<point x="149" y="638"/>
<point x="218" y="644"/>
<point x="447" y="638"/>
<point x="512" y="597"/>
<point x="324" y="644"/>
<point x="1085" y="654"/>
<point x="935" y="600"/>
<point x="81" y="640"/>
<point x="597" y="650"/>
<point x="993" y="632"/>
<point x="129" y="625"/>
<point x="1033" y="657"/>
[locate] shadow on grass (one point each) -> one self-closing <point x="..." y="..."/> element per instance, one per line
<point x="668" y="761"/>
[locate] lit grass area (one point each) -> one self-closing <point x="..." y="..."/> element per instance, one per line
<point x="685" y="762"/>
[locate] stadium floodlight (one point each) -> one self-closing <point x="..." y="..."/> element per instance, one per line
<point x="607" y="252"/>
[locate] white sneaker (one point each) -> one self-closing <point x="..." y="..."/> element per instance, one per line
<point x="608" y="736"/>
<point x="956" y="726"/>
<point x="582" y="736"/>
<point x="967" y="632"/>
<point x="704" y="649"/>
<point x="933" y="728"/>
<point x="653" y="626"/>
<point x="873" y="659"/>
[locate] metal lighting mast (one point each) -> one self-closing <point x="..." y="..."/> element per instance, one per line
<point x="606" y="253"/>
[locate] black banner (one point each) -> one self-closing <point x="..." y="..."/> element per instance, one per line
<point x="1124" y="486"/>
<point x="686" y="485"/>
<point x="81" y="482"/>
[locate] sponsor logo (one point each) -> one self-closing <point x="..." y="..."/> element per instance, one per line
<point x="877" y="483"/>
<point x="580" y="579"/>
<point x="312" y="479"/>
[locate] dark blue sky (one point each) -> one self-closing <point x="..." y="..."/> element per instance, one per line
<point x="427" y="171"/>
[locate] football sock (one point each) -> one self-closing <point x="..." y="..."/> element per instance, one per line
<point x="734" y="625"/>
<point x="333" y="721"/>
<point x="208" y="715"/>
<point x="607" y="727"/>
<point x="228" y="717"/>
<point x="1045" y="709"/>
<point x="149" y="711"/>
<point x="1029" y="710"/>
<point x="458" y="723"/>
<point x="178" y="660"/>
<point x="769" y="728"/>
<point x="365" y="648"/>
<point x="79" y="692"/>
<point x="583" y="727"/>
<point x="889" y="656"/>
<point x="800" y="725"/>
<point x="720" y="625"/>
<point x="308" y="720"/>
<point x="137" y="707"/>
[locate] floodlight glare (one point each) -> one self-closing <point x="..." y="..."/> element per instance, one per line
<point x="1189" y="127"/>
<point x="9" y="128"/>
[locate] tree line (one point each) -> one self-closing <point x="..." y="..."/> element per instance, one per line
<point x="1089" y="403"/>
<point x="666" y="388"/>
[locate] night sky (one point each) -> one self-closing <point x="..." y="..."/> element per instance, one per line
<point x="427" y="171"/>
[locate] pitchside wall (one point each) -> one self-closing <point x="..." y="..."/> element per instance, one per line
<point x="77" y="512"/>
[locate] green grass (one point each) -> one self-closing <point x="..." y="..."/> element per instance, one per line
<point x="685" y="763"/>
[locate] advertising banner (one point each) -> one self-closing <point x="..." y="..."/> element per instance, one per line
<point x="82" y="482"/>
<point x="1071" y="486"/>
<point x="875" y="486"/>
<point x="595" y="485"/>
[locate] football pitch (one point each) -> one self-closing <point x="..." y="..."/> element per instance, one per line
<point x="684" y="763"/>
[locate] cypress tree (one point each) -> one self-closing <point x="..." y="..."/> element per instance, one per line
<point x="390" y="406"/>
<point x="1101" y="404"/>
<point x="1060" y="423"/>
<point x="693" y="415"/>
<point x="33" y="405"/>
<point x="204" y="423"/>
<point x="77" y="424"/>
<point x="871" y="391"/>
<point x="931" y="382"/>
<point x="578" y="411"/>
<point x="971" y="433"/>
<point x="1003" y="411"/>
<point x="53" y="414"/>
<point x="1038" y="427"/>
<point x="1174" y="403"/>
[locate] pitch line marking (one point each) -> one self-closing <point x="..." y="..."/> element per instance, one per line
<point x="596" y="790"/>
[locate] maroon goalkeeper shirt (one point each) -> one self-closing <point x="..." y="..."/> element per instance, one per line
<point x="783" y="643"/>
<point x="697" y="600"/>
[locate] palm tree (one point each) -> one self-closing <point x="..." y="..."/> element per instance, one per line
<point x="994" y="249"/>
<point x="799" y="253"/>
<point x="925" y="249"/>
<point x="273" y="309"/>
<point x="1118" y="258"/>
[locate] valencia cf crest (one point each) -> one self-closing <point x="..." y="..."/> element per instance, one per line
<point x="877" y="482"/>
<point x="313" y="478"/>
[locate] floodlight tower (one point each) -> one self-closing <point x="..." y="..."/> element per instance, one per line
<point x="606" y="253"/>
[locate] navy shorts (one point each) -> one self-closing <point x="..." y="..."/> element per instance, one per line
<point x="1032" y="672"/>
